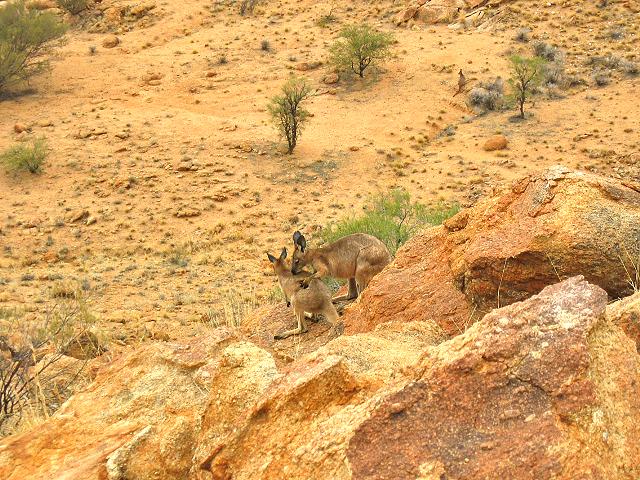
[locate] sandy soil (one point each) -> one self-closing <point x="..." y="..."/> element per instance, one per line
<point x="170" y="154"/>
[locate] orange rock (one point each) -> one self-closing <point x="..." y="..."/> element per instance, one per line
<point x="507" y="399"/>
<point x="111" y="41"/>
<point x="550" y="226"/>
<point x="497" y="142"/>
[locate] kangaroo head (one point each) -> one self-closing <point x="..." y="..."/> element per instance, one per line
<point x="279" y="265"/>
<point x="300" y="253"/>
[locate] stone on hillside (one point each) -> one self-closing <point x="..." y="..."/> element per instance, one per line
<point x="110" y="41"/>
<point x="497" y="142"/>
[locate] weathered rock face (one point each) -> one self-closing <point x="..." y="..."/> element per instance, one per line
<point x="547" y="388"/>
<point x="302" y="426"/>
<point x="549" y="227"/>
<point x="626" y="314"/>
<point x="142" y="416"/>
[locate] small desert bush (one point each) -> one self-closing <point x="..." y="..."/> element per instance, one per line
<point x="487" y="96"/>
<point x="392" y="218"/>
<point x="602" y="78"/>
<point x="35" y="375"/>
<point x="287" y="111"/>
<point x="360" y="46"/>
<point x="25" y="38"/>
<point x="522" y="35"/>
<point x="265" y="46"/>
<point x="23" y="157"/>
<point x="613" y="62"/>
<point x="326" y="20"/>
<point x="73" y="6"/>
<point x="548" y="52"/>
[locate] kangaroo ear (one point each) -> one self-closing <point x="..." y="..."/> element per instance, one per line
<point x="283" y="254"/>
<point x="271" y="258"/>
<point x="299" y="240"/>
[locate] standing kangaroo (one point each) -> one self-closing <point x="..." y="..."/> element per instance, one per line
<point x="357" y="257"/>
<point x="316" y="298"/>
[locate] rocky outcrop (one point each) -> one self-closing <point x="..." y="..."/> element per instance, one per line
<point x="301" y="428"/>
<point x="547" y="388"/>
<point x="548" y="227"/>
<point x="143" y="416"/>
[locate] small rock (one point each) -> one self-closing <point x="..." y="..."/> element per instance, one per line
<point x="497" y="142"/>
<point x="111" y="41"/>
<point x="331" y="79"/>
<point x="77" y="215"/>
<point x="19" y="128"/>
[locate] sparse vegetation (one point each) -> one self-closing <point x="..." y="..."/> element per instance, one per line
<point x="359" y="47"/>
<point x="248" y="6"/>
<point x="23" y="157"/>
<point x="611" y="62"/>
<point x="522" y="35"/>
<point x="287" y="111"/>
<point x="327" y="19"/>
<point x="265" y="46"/>
<point x="73" y="6"/>
<point x="25" y="38"/>
<point x="602" y="78"/>
<point x="35" y="375"/>
<point x="548" y="52"/>
<point x="236" y="305"/>
<point x="391" y="217"/>
<point x="487" y="96"/>
<point x="527" y="74"/>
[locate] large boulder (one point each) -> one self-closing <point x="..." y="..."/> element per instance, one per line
<point x="301" y="428"/>
<point x="547" y="388"/>
<point x="143" y="415"/>
<point x="548" y="227"/>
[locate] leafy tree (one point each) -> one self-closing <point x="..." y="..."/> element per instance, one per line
<point x="359" y="46"/>
<point x="527" y="74"/>
<point x="25" y="37"/>
<point x="287" y="112"/>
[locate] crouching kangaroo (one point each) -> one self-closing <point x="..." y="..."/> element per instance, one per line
<point x="316" y="298"/>
<point x="357" y="258"/>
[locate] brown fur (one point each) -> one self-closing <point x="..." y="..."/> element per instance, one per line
<point x="314" y="298"/>
<point x="357" y="258"/>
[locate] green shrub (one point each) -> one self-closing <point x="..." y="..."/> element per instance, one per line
<point x="391" y="217"/>
<point x="286" y="110"/>
<point x="360" y="46"/>
<point x="527" y="75"/>
<point x="25" y="38"/>
<point x="73" y="6"/>
<point x="25" y="157"/>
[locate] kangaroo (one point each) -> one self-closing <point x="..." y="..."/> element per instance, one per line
<point x="357" y="257"/>
<point x="315" y="298"/>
